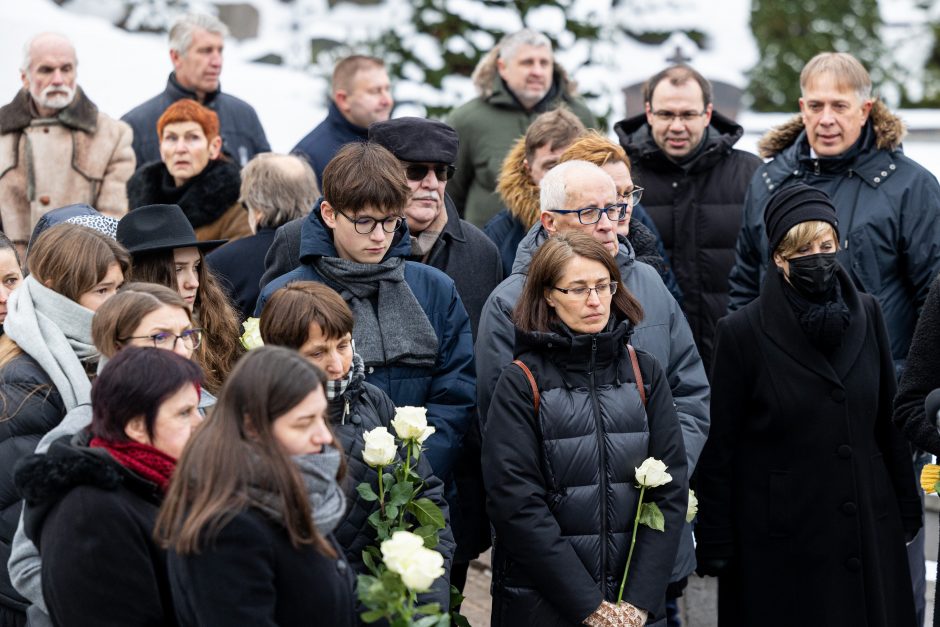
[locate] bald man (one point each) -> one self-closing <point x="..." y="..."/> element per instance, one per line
<point x="56" y="148"/>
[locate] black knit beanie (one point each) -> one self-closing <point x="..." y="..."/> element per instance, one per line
<point x="795" y="204"/>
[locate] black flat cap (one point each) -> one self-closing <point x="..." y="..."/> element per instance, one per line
<point x="416" y="139"/>
<point x="795" y="204"/>
<point x="159" y="227"/>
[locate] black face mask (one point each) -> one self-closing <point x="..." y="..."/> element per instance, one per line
<point x="813" y="275"/>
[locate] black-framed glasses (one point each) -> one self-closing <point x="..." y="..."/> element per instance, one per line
<point x="191" y="339"/>
<point x="417" y="171"/>
<point x="672" y="116"/>
<point x="592" y="215"/>
<point x="632" y="198"/>
<point x="365" y="225"/>
<point x="601" y="289"/>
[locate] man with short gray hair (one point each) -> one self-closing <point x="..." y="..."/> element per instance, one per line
<point x="275" y="189"/>
<point x="196" y="44"/>
<point x="516" y="81"/>
<point x="56" y="147"/>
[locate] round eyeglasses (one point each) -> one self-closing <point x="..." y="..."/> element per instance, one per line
<point x="365" y="226"/>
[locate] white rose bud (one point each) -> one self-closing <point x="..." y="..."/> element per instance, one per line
<point x="379" y="448"/>
<point x="652" y="473"/>
<point x="693" y="507"/>
<point x="405" y="554"/>
<point x="251" y="338"/>
<point x="411" y="423"/>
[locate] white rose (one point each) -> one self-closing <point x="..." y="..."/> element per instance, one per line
<point x="411" y="423"/>
<point x="693" y="507"/>
<point x="405" y="554"/>
<point x="652" y="473"/>
<point x="380" y="447"/>
<point x="251" y="338"/>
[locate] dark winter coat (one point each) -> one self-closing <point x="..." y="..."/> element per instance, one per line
<point x="805" y="485"/>
<point x="92" y="521"/>
<point x="31" y="406"/>
<point x="887" y="205"/>
<point x="447" y="390"/>
<point x="239" y="265"/>
<point x="488" y="126"/>
<point x="251" y="574"/>
<point x="560" y="485"/>
<point x="921" y="377"/>
<point x="323" y="142"/>
<point x="697" y="210"/>
<point x="242" y="134"/>
<point x="364" y="407"/>
<point x="209" y="199"/>
<point x="663" y="333"/>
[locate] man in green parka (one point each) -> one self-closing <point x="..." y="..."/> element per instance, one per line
<point x="516" y="81"/>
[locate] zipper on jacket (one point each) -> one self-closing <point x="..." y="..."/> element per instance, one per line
<point x="816" y="166"/>
<point x="599" y="424"/>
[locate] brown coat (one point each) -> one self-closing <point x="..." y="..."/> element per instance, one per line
<point x="79" y="156"/>
<point x="231" y="225"/>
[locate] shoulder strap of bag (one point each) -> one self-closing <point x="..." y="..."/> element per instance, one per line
<point x="636" y="373"/>
<point x="535" y="388"/>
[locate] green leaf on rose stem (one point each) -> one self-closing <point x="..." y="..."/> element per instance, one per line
<point x="459" y="620"/>
<point x="428" y="533"/>
<point x="429" y="608"/>
<point x="456" y="597"/>
<point x="369" y="561"/>
<point x="427" y="512"/>
<point x="375" y="518"/>
<point x="427" y="621"/>
<point x="652" y="517"/>
<point x="372" y="616"/>
<point x="392" y="512"/>
<point x="401" y="493"/>
<point x="366" y="492"/>
<point x="388" y="480"/>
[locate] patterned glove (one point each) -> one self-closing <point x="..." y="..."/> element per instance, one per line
<point x="610" y="615"/>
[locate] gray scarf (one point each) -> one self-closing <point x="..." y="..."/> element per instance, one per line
<point x="327" y="501"/>
<point x="56" y="332"/>
<point x="396" y="330"/>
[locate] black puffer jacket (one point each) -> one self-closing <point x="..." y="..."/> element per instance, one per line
<point x="93" y="519"/>
<point x="30" y="406"/>
<point x="364" y="407"/>
<point x="560" y="490"/>
<point x="697" y="210"/>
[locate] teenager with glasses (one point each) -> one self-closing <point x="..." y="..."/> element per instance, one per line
<point x="568" y="424"/>
<point x="411" y="327"/>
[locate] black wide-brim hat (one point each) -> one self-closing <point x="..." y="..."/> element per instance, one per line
<point x="159" y="227"/>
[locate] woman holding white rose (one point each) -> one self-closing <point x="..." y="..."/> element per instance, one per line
<point x="313" y="319"/>
<point x="559" y="465"/>
<point x="249" y="515"/>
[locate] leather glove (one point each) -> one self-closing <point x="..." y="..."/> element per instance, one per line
<point x="622" y="615"/>
<point x="713" y="567"/>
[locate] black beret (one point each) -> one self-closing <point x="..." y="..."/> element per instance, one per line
<point x="416" y="139"/>
<point x="795" y="204"/>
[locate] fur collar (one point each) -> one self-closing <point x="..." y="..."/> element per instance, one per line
<point x="45" y="478"/>
<point x="203" y="199"/>
<point x="81" y="114"/>
<point x="485" y="76"/>
<point x="888" y="128"/>
<point x="519" y="193"/>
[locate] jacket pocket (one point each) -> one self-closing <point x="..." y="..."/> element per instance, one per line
<point x="880" y="491"/>
<point x="780" y="499"/>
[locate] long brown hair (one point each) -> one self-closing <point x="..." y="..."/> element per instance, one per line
<point x="213" y="310"/>
<point x="532" y="312"/>
<point x="117" y="318"/>
<point x="236" y="448"/>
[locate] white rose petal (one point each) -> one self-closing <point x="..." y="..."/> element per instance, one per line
<point x="251" y="338"/>
<point x="405" y="554"/>
<point x="379" y="447"/>
<point x="693" y="507"/>
<point x="411" y="423"/>
<point x="652" y="473"/>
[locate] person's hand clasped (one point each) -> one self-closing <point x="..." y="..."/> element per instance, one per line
<point x="622" y="615"/>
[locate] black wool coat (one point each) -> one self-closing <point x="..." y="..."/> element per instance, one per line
<point x="560" y="486"/>
<point x="92" y="521"/>
<point x="805" y="485"/>
<point x="251" y="574"/>
<point x="239" y="265"/>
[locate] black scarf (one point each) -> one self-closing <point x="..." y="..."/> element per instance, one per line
<point x="824" y="322"/>
<point x="203" y="198"/>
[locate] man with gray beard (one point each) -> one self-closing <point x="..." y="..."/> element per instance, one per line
<point x="56" y="147"/>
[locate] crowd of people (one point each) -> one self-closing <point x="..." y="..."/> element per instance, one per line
<point x="746" y="327"/>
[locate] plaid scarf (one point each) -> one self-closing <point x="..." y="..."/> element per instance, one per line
<point x="336" y="389"/>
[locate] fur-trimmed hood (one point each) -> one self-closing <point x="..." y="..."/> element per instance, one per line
<point x="80" y="114"/>
<point x="520" y="195"/>
<point x="888" y="128"/>
<point x="485" y="76"/>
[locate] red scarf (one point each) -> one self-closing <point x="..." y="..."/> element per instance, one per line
<point x="150" y="463"/>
